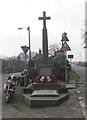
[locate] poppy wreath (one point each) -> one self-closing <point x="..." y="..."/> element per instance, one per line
<point x="45" y="79"/>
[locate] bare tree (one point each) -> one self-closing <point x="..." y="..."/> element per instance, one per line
<point x="22" y="56"/>
<point x="52" y="48"/>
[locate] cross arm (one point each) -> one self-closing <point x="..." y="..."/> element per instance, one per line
<point x="41" y="18"/>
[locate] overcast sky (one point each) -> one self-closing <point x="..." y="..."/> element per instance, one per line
<point x="66" y="16"/>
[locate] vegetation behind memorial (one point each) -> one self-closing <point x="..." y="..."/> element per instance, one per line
<point x="13" y="64"/>
<point x="16" y="64"/>
<point x="60" y="68"/>
<point x="72" y="75"/>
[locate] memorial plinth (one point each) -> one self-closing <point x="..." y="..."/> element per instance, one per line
<point x="45" y="101"/>
<point x="46" y="95"/>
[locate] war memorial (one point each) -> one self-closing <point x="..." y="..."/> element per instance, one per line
<point x="45" y="90"/>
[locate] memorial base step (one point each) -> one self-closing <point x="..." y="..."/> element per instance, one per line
<point x="44" y="101"/>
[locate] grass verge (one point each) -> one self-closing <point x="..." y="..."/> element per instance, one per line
<point x="72" y="75"/>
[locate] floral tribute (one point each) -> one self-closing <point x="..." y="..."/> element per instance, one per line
<point x="45" y="79"/>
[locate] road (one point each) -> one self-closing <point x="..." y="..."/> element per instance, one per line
<point x="0" y="89"/>
<point x="82" y="87"/>
<point x="71" y="108"/>
<point x="81" y="70"/>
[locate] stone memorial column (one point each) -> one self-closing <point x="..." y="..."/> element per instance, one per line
<point x="44" y="38"/>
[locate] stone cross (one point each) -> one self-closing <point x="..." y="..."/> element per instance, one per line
<point x="44" y="38"/>
<point x="44" y="18"/>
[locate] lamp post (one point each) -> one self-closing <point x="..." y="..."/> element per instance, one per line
<point x="28" y="28"/>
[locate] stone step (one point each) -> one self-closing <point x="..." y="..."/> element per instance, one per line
<point x="70" y="86"/>
<point x="45" y="93"/>
<point x="44" y="101"/>
<point x="45" y="86"/>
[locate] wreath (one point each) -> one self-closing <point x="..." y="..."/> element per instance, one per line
<point x="45" y="79"/>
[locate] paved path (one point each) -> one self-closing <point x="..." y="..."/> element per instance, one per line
<point x="82" y="88"/>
